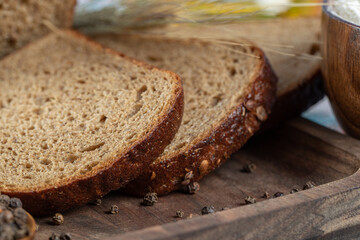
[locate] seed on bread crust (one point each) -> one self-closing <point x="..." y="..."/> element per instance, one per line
<point x="203" y="167"/>
<point x="153" y="176"/>
<point x="261" y="113"/>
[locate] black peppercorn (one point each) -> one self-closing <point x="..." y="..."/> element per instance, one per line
<point x="309" y="185"/>
<point x="58" y="219"/>
<point x="7" y="216"/>
<point x="278" y="194"/>
<point x="65" y="236"/>
<point x="15" y="203"/>
<point x="98" y="202"/>
<point x="249" y="168"/>
<point x="150" y="199"/>
<point x="295" y="190"/>
<point x="266" y="195"/>
<point x="20" y="216"/>
<point x="225" y="208"/>
<point x="250" y="200"/>
<point x="22" y="232"/>
<point x="208" y="210"/>
<point x="54" y="237"/>
<point x="192" y="188"/>
<point x="114" y="209"/>
<point x="4" y="200"/>
<point x="7" y="231"/>
<point x="13" y="218"/>
<point x="179" y="214"/>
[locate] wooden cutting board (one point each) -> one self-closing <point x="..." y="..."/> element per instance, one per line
<point x="286" y="158"/>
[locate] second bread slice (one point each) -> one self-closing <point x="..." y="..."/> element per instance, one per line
<point x="228" y="94"/>
<point x="78" y="120"/>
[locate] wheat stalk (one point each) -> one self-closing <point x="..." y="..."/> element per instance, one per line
<point x="136" y="16"/>
<point x="121" y="15"/>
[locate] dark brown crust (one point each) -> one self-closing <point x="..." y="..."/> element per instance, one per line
<point x="209" y="153"/>
<point x="296" y="101"/>
<point x="127" y="167"/>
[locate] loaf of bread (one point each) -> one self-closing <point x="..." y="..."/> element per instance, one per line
<point x="229" y="92"/>
<point x="23" y="21"/>
<point x="78" y="120"/>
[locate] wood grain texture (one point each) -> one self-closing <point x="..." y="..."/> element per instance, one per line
<point x="286" y="158"/>
<point x="341" y="69"/>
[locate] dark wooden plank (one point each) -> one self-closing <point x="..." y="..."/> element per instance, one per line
<point x="286" y="158"/>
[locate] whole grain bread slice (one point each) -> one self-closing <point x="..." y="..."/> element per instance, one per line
<point x="293" y="49"/>
<point x="228" y="94"/>
<point x="78" y="120"/>
<point x="24" y="21"/>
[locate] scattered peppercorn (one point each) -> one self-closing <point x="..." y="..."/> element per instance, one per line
<point x="250" y="200"/>
<point x="15" y="203"/>
<point x="98" y="202"/>
<point x="58" y="219"/>
<point x="225" y="208"/>
<point x="54" y="237"/>
<point x="4" y="200"/>
<point x="114" y="209"/>
<point x="249" y="168"/>
<point x="13" y="218"/>
<point x="192" y="188"/>
<point x="65" y="236"/>
<point x="208" y="210"/>
<point x="278" y="194"/>
<point x="7" y="216"/>
<point x="179" y="214"/>
<point x="266" y="195"/>
<point x="150" y="199"/>
<point x="294" y="190"/>
<point x="20" y="217"/>
<point x="309" y="185"/>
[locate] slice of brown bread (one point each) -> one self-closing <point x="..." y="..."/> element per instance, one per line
<point x="300" y="81"/>
<point x="228" y="94"/>
<point x="78" y="120"/>
<point x="23" y="21"/>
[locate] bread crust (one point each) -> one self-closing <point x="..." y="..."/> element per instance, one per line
<point x="211" y="151"/>
<point x="126" y="167"/>
<point x="296" y="100"/>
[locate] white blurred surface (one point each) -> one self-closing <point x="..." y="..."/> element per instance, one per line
<point x="322" y="114"/>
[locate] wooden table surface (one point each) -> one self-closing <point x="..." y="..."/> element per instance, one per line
<point x="286" y="158"/>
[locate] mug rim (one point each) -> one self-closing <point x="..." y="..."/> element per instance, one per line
<point x="326" y="10"/>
